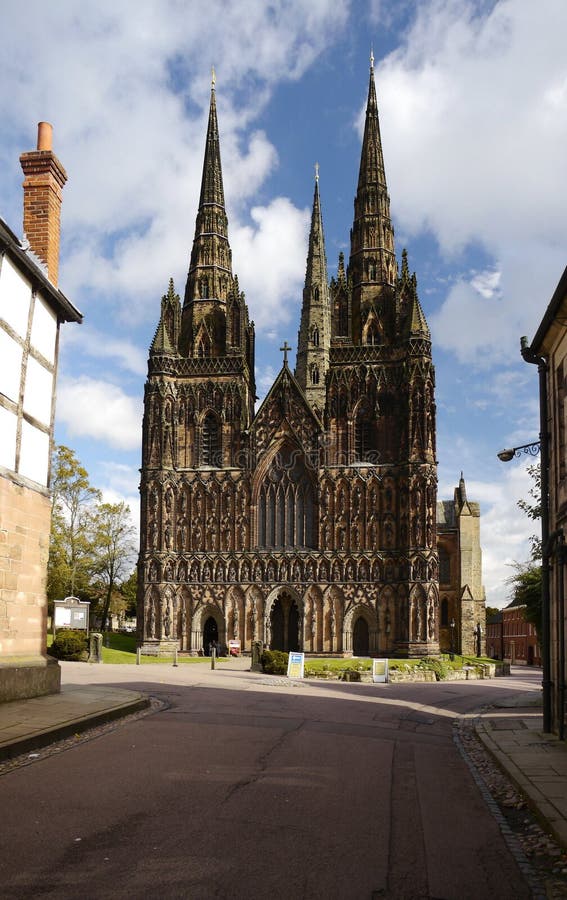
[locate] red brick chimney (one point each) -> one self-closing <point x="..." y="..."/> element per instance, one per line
<point x="43" y="184"/>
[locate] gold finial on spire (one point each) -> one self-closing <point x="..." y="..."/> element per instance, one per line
<point x="371" y="57"/>
<point x="213" y="78"/>
<point x="317" y="171"/>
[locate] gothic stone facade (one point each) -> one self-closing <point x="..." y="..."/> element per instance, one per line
<point x="310" y="524"/>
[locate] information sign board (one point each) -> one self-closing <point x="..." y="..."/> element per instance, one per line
<point x="295" y="664"/>
<point x="379" y="671"/>
<point x="71" y="613"/>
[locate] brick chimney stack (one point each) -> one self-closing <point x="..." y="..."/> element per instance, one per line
<point x="43" y="185"/>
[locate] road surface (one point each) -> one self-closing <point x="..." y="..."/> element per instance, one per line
<point x="248" y="786"/>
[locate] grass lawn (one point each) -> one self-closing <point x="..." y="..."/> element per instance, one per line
<point x="122" y="651"/>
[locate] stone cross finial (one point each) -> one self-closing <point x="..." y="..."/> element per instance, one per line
<point x="285" y="350"/>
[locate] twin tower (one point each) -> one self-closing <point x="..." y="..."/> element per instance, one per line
<point x="309" y="524"/>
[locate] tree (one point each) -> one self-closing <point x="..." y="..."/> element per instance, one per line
<point x="70" y="550"/>
<point x="526" y="582"/>
<point x="113" y="549"/>
<point x="129" y="592"/>
<point x="527" y="592"/>
<point x="533" y="509"/>
<point x="492" y="611"/>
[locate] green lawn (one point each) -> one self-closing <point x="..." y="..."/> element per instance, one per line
<point x="122" y="651"/>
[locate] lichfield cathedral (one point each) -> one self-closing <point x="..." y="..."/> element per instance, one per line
<point x="310" y="523"/>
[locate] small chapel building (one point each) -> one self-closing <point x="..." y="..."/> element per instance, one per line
<point x="311" y="523"/>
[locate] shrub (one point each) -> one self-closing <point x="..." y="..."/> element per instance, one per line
<point x="274" y="662"/>
<point x="351" y="674"/>
<point x="70" y="645"/>
<point x="435" y="665"/>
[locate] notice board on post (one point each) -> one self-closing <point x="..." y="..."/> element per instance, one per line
<point x="295" y="664"/>
<point x="71" y="613"/>
<point x="379" y="671"/>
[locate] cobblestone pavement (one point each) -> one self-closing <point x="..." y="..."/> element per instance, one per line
<point x="538" y="854"/>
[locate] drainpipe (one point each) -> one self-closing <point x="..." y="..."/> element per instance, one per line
<point x="530" y="356"/>
<point x="560" y="619"/>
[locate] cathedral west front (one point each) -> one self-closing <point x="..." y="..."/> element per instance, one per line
<point x="310" y="523"/>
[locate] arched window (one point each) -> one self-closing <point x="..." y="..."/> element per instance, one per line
<point x="444" y="566"/>
<point x="343" y="316"/>
<point x="372" y="334"/>
<point x="203" y="345"/>
<point x="285" y="505"/>
<point x="363" y="437"/>
<point x="235" y="336"/>
<point x="314" y="374"/>
<point x="211" y="442"/>
<point x="315" y="336"/>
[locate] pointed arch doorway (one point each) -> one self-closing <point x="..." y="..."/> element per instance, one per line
<point x="360" y="638"/>
<point x="284" y="623"/>
<point x="210" y="634"/>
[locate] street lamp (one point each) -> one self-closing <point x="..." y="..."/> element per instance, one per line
<point x="452" y="648"/>
<point x="531" y="449"/>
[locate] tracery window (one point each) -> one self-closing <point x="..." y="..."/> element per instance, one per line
<point x="444" y="566"/>
<point x="235" y="336"/>
<point x="364" y="445"/>
<point x="314" y="374"/>
<point x="315" y="336"/>
<point x="285" y="504"/>
<point x="211" y="454"/>
<point x="372" y="334"/>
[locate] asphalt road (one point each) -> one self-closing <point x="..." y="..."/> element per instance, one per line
<point x="248" y="786"/>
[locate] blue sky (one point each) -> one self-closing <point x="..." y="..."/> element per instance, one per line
<point x="473" y="111"/>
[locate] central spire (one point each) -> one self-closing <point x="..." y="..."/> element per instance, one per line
<point x="315" y="329"/>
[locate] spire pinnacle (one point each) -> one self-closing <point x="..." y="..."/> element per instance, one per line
<point x="314" y="336"/>
<point x="213" y="78"/>
<point x="371" y="58"/>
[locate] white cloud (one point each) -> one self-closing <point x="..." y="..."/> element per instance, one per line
<point x="99" y="410"/>
<point x="87" y="340"/>
<point x="475" y="137"/>
<point x="278" y="237"/>
<point x="128" y="97"/>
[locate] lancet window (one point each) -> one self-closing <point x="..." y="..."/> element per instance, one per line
<point x="211" y="441"/>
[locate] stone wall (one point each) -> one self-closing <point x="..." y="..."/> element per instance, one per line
<point x="25" y="519"/>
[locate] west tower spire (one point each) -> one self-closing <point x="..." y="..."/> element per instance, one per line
<point x="314" y="337"/>
<point x="373" y="267"/>
<point x="210" y="280"/>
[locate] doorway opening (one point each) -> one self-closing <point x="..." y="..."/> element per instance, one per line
<point x="360" y="637"/>
<point x="210" y="635"/>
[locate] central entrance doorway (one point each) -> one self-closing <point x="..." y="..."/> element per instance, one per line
<point x="284" y="621"/>
<point x="210" y="634"/>
<point x="360" y="639"/>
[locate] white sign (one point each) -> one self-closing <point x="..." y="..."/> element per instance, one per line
<point x="379" y="671"/>
<point x="295" y="664"/>
<point x="62" y="616"/>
